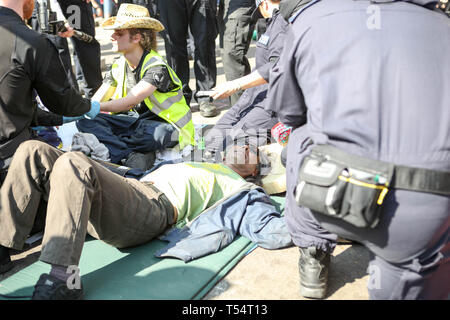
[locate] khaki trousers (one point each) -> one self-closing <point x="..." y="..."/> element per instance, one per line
<point x="82" y="196"/>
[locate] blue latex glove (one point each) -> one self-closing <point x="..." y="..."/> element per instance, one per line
<point x="38" y="128"/>
<point x="95" y="110"/>
<point x="71" y="119"/>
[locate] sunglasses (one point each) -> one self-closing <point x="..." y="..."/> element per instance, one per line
<point x="120" y="33"/>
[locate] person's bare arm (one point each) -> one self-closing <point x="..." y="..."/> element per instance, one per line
<point x="139" y="92"/>
<point x="226" y="89"/>
<point x="104" y="93"/>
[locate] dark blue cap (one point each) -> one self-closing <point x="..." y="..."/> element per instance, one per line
<point x="256" y="14"/>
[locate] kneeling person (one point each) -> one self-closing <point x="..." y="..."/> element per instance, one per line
<point x="140" y="81"/>
<point x="251" y="118"/>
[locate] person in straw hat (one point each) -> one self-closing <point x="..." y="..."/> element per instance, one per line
<point x="139" y="81"/>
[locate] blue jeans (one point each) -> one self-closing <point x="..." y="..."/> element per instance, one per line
<point x="122" y="134"/>
<point x="108" y="8"/>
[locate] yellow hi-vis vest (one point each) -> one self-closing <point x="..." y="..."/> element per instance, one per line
<point x="170" y="106"/>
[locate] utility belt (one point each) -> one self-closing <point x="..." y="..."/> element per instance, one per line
<point x="353" y="188"/>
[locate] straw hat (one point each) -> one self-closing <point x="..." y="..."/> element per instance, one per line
<point x="132" y="16"/>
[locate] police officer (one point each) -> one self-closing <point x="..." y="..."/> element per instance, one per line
<point x="28" y="62"/>
<point x="371" y="79"/>
<point x="251" y="117"/>
<point x="200" y="16"/>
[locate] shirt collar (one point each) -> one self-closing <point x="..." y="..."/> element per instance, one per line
<point x="274" y="13"/>
<point x="4" y="11"/>
<point x="139" y="66"/>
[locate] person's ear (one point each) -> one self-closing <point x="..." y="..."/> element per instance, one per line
<point x="247" y="154"/>
<point x="136" y="38"/>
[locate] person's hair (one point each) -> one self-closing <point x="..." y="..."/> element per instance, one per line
<point x="258" y="178"/>
<point x="252" y="149"/>
<point x="148" y="38"/>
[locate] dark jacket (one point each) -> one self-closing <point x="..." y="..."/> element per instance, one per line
<point x="372" y="80"/>
<point x="378" y="91"/>
<point x="29" y="61"/>
<point x="268" y="50"/>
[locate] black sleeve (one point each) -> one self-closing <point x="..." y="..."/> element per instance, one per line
<point x="52" y="85"/>
<point x="160" y="78"/>
<point x="47" y="119"/>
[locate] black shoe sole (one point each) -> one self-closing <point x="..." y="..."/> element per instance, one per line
<point x="78" y="296"/>
<point x="316" y="293"/>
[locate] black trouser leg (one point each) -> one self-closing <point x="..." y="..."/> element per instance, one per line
<point x="173" y="15"/>
<point x="88" y="54"/>
<point x="203" y="24"/>
<point x="236" y="42"/>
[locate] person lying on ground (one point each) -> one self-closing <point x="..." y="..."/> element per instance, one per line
<point x="83" y="197"/>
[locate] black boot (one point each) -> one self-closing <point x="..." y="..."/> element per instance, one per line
<point x="5" y="260"/>
<point x="313" y="267"/>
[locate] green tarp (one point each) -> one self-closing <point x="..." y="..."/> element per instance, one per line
<point x="135" y="273"/>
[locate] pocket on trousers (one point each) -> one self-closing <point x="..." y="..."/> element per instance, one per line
<point x="332" y="189"/>
<point x="236" y="34"/>
<point x="360" y="203"/>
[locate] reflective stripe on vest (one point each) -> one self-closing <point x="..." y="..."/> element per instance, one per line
<point x="170" y="106"/>
<point x="118" y="71"/>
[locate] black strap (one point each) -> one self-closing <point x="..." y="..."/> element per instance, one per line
<point x="398" y="176"/>
<point x="422" y="180"/>
<point x="8" y="148"/>
<point x="356" y="162"/>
